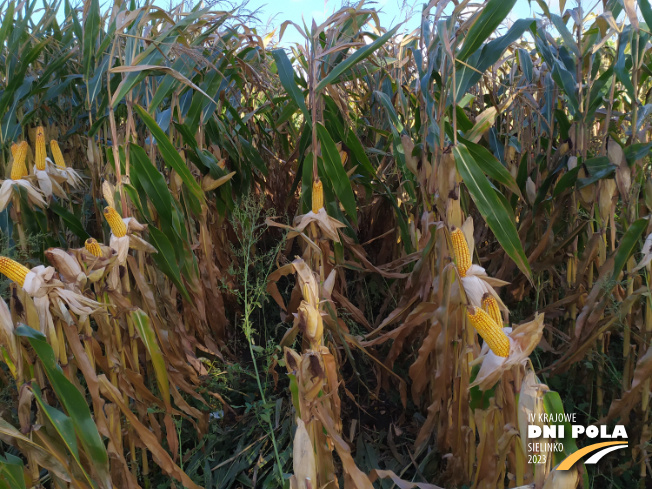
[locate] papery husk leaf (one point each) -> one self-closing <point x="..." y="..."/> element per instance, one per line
<point x="138" y="243"/>
<point x="523" y="340"/>
<point x="530" y="403"/>
<point x="67" y="266"/>
<point x="303" y="458"/>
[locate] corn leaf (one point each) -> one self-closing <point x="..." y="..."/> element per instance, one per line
<point x="646" y="11"/>
<point x="152" y="182"/>
<point x="170" y="154"/>
<point x="12" y="470"/>
<point x="359" y="55"/>
<point x="73" y="401"/>
<point x="64" y="428"/>
<point x="554" y="406"/>
<point x="165" y="258"/>
<point x="286" y="75"/>
<point x="73" y="223"/>
<point x="148" y="337"/>
<point x="499" y="218"/>
<point x="627" y="245"/>
<point x="485" y="23"/>
<point x="337" y="174"/>
<point x="491" y="166"/>
<point x="91" y="31"/>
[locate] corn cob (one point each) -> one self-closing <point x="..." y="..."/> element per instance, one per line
<point x="461" y="252"/>
<point x="93" y="247"/>
<point x="39" y="158"/>
<point x="317" y="195"/>
<point x="490" y="331"/>
<point x="18" y="169"/>
<point x="57" y="154"/>
<point x="490" y="304"/>
<point x="13" y="270"/>
<point x="118" y="226"/>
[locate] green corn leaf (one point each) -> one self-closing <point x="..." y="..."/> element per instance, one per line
<point x="525" y="63"/>
<point x="64" y="428"/>
<point x="569" y="41"/>
<point x="170" y="154"/>
<point x="73" y="401"/>
<point x="91" y="30"/>
<point x="646" y="11"/>
<point x="565" y="81"/>
<point x="499" y="217"/>
<point x="336" y="173"/>
<point x="490" y="17"/>
<point x="165" y="258"/>
<point x="61" y="423"/>
<point x="627" y="245"/>
<point x="72" y="222"/>
<point x="597" y="168"/>
<point x="553" y="405"/>
<point x="567" y="180"/>
<point x="153" y="183"/>
<point x="148" y="337"/>
<point x="359" y="55"/>
<point x="491" y="166"/>
<point x="12" y="471"/>
<point x="286" y="75"/>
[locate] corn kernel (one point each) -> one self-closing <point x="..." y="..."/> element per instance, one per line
<point x="490" y="331"/>
<point x="18" y="169"/>
<point x="13" y="270"/>
<point x="461" y="252"/>
<point x="118" y="226"/>
<point x="39" y="158"/>
<point x="317" y="195"/>
<point x="93" y="247"/>
<point x="57" y="154"/>
<point x="490" y="304"/>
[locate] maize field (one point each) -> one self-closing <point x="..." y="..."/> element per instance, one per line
<point x="379" y="257"/>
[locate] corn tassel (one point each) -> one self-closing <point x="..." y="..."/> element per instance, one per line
<point x="57" y="154"/>
<point x="317" y="196"/>
<point x="490" y="331"/>
<point x="118" y="227"/>
<point x="461" y="251"/>
<point x="93" y="247"/>
<point x="490" y="304"/>
<point x="18" y="169"/>
<point x="39" y="158"/>
<point x="13" y="270"/>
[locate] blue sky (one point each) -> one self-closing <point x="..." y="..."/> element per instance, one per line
<point x="272" y="13"/>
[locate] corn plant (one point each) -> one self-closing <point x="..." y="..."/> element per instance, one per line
<point x="453" y="224"/>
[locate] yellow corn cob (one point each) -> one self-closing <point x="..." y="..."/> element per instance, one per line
<point x="13" y="270"/>
<point x="58" y="155"/>
<point x="39" y="158"/>
<point x="490" y="331"/>
<point x="461" y="251"/>
<point x="18" y="169"/>
<point x="14" y="148"/>
<point x="118" y="226"/>
<point x="317" y="195"/>
<point x="490" y="304"/>
<point x="93" y="247"/>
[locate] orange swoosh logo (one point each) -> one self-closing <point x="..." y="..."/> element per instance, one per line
<point x="571" y="459"/>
